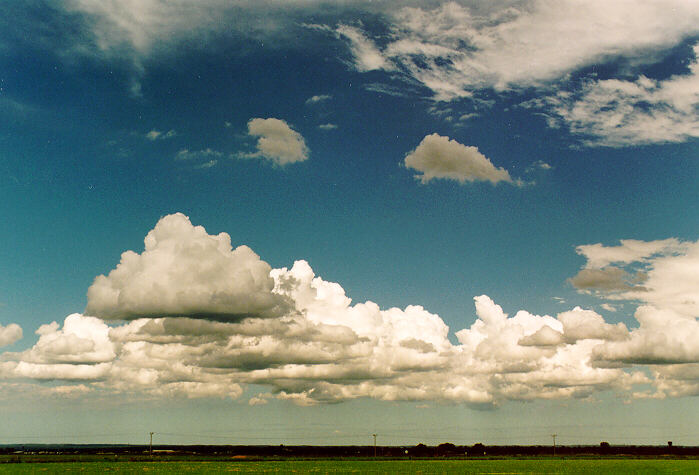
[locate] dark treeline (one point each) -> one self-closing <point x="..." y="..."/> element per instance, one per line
<point x="313" y="451"/>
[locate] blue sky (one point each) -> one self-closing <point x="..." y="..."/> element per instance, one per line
<point x="534" y="156"/>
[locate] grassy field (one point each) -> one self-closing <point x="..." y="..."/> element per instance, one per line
<point x="500" y="466"/>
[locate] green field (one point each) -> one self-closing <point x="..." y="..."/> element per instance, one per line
<point x="500" y="466"/>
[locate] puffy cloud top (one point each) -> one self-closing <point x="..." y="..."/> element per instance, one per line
<point x="10" y="334"/>
<point x="438" y="157"/>
<point x="277" y="142"/>
<point x="206" y="320"/>
<point x="184" y="271"/>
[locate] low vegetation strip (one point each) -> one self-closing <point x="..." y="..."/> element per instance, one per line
<point x="506" y="465"/>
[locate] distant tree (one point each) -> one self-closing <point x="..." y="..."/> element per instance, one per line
<point x="604" y="447"/>
<point x="477" y="449"/>
<point x="420" y="450"/>
<point x="446" y="449"/>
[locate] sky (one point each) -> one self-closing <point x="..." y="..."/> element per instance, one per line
<point x="307" y="222"/>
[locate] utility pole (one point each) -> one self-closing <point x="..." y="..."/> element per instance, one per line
<point x="554" y="443"/>
<point x="151" y="444"/>
<point x="374" y="445"/>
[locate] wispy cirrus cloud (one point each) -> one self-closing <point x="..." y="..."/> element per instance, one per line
<point x="618" y="113"/>
<point x="455" y="50"/>
<point x="207" y="153"/>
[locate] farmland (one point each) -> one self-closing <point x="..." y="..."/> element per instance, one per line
<point x="423" y="466"/>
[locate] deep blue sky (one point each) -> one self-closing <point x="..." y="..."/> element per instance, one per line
<point x="600" y="143"/>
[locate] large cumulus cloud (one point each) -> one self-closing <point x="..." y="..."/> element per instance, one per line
<point x="184" y="271"/>
<point x="200" y="319"/>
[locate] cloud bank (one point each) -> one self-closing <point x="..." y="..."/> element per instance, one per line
<point x="206" y="320"/>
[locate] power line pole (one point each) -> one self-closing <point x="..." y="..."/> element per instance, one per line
<point x="554" y="443"/>
<point x="151" y="444"/>
<point x="374" y="444"/>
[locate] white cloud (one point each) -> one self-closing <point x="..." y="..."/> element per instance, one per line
<point x="439" y="157"/>
<point x="205" y="154"/>
<point x="81" y="340"/>
<point x="10" y="334"/>
<point x="366" y="55"/>
<point x="318" y="98"/>
<point x="158" y="135"/>
<point x="620" y="113"/>
<point x="140" y="27"/>
<point x="630" y="250"/>
<point x="259" y="400"/>
<point x="184" y="271"/>
<point x="388" y="89"/>
<point x="668" y="333"/>
<point x="579" y="324"/>
<point x="327" y="126"/>
<point x="539" y="165"/>
<point x="305" y="340"/>
<point x="454" y="49"/>
<point x="277" y="142"/>
<point x="663" y="274"/>
<point x="209" y="164"/>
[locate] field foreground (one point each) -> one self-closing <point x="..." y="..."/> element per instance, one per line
<point x="506" y="465"/>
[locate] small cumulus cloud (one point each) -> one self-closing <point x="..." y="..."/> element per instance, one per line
<point x="438" y="157"/>
<point x="319" y="98"/>
<point x="327" y="126"/>
<point x="538" y="165"/>
<point x="10" y="334"/>
<point x="276" y="142"/>
<point x="259" y="400"/>
<point x="154" y="135"/>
